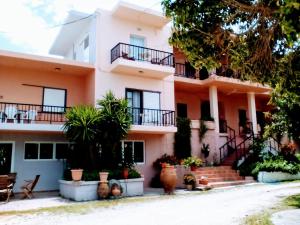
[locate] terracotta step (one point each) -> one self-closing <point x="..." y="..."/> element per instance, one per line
<point x="217" y="175"/>
<point x="229" y="183"/>
<point x="220" y="179"/>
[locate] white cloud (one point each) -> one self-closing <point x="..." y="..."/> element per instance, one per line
<point x="26" y="22"/>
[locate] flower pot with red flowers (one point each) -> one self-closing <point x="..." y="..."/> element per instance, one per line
<point x="190" y="181"/>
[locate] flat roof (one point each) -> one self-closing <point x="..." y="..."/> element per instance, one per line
<point x="44" y="63"/>
<point x="140" y="14"/>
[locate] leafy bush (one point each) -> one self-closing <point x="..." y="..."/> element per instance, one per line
<point x="165" y="158"/>
<point x="189" y="179"/>
<point x="277" y="164"/>
<point x="133" y="173"/>
<point x="192" y="161"/>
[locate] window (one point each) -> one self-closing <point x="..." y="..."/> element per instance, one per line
<point x="31" y="151"/>
<point x="54" y="100"/>
<point x="145" y="106"/>
<point x="45" y="151"/>
<point x="136" y="52"/>
<point x="86" y="49"/>
<point x="182" y="110"/>
<point x="134" y="150"/>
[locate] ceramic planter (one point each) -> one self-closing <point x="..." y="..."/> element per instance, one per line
<point x="125" y="173"/>
<point x="103" y="176"/>
<point x="76" y="174"/>
<point x="168" y="178"/>
<point x="189" y="187"/>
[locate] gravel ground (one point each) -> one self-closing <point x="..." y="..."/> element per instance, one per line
<point x="223" y="206"/>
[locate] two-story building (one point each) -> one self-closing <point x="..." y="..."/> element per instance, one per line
<point x="125" y="50"/>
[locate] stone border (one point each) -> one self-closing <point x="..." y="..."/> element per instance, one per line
<point x="270" y="177"/>
<point x="87" y="190"/>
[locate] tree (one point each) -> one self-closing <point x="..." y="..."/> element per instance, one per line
<point x="260" y="39"/>
<point x="114" y="125"/>
<point x="253" y="34"/>
<point x="82" y="127"/>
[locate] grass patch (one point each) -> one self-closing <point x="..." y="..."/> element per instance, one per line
<point x="291" y="202"/>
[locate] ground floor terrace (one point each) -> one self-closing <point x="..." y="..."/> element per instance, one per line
<point x="229" y="108"/>
<point x="228" y="206"/>
<point x="29" y="153"/>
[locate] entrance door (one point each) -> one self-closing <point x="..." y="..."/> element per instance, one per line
<point x="5" y="157"/>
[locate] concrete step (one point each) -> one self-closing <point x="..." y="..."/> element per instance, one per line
<point x="216" y="175"/>
<point x="220" y="179"/>
<point x="229" y="183"/>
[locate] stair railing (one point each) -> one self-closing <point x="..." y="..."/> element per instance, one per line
<point x="230" y="146"/>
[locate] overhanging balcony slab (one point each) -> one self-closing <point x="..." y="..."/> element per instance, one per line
<point x="145" y="129"/>
<point x="142" y="69"/>
<point x="55" y="128"/>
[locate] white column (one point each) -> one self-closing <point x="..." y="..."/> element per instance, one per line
<point x="214" y="110"/>
<point x="252" y="110"/>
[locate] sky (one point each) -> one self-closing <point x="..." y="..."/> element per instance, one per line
<point x="27" y="25"/>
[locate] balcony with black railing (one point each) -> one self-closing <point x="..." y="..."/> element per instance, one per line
<point x="12" y="114"/>
<point x="133" y="59"/>
<point x="163" y="120"/>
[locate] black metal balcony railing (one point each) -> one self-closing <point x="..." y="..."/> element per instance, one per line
<point x="152" y="117"/>
<point x="30" y="113"/>
<point x="182" y="70"/>
<point x="137" y="53"/>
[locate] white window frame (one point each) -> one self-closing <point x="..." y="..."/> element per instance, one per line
<point x="144" y="158"/>
<point x="44" y="142"/>
<point x="61" y="109"/>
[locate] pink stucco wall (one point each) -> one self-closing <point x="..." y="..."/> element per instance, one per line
<point x="12" y="88"/>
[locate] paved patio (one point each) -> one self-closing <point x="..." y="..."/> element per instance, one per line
<point x="218" y="206"/>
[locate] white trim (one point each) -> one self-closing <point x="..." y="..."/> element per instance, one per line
<point x="12" y="160"/>
<point x="54" y="143"/>
<point x="144" y="147"/>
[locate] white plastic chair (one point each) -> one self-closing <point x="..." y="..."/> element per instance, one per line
<point x="11" y="113"/>
<point x="31" y="115"/>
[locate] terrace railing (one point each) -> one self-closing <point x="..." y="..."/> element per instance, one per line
<point x="138" y="53"/>
<point x="31" y="113"/>
<point x="152" y="117"/>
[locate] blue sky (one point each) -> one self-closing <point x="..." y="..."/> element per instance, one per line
<point x="25" y="25"/>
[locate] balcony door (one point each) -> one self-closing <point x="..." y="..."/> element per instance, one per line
<point x="137" y="52"/>
<point x="144" y="106"/>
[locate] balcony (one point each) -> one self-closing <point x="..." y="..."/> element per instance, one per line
<point x="228" y="81"/>
<point x="30" y="117"/>
<point x="141" y="61"/>
<point x="152" y="120"/>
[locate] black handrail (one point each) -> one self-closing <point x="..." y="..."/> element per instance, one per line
<point x="152" y="117"/>
<point x="30" y="113"/>
<point x="230" y="146"/>
<point x="138" y="53"/>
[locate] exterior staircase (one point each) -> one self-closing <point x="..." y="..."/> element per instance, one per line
<point x="220" y="176"/>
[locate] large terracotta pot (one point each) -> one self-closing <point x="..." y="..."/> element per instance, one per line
<point x="168" y="179"/>
<point x="103" y="190"/>
<point x="76" y="174"/>
<point x="103" y="176"/>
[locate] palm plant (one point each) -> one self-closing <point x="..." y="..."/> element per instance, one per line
<point x="114" y="125"/>
<point x="82" y="127"/>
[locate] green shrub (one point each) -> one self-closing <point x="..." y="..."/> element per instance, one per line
<point x="192" y="161"/>
<point x="182" y="143"/>
<point x="277" y="164"/>
<point x="133" y="173"/>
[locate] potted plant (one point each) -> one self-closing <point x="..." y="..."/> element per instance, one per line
<point x="76" y="174"/>
<point x="190" y="181"/>
<point x="193" y="162"/>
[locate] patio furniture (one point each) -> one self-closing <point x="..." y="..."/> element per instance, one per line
<point x="11" y="113"/>
<point x="2" y="117"/>
<point x="29" y="186"/>
<point x="31" y="115"/>
<point x="12" y="178"/>
<point x="5" y="187"/>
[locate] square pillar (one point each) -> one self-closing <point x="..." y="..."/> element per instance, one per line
<point x="252" y="110"/>
<point x="214" y="110"/>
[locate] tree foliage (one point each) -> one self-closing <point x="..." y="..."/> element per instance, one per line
<point x="253" y="34"/>
<point x="97" y="132"/>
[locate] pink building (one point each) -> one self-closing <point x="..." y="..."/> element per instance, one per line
<point x="125" y="50"/>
